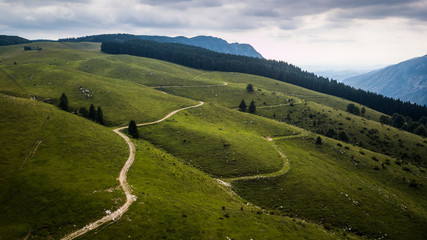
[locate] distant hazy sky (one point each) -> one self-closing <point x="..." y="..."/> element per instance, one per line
<point x="327" y="33"/>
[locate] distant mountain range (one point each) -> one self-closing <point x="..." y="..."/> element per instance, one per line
<point x="207" y="42"/>
<point x="339" y="75"/>
<point x="406" y="81"/>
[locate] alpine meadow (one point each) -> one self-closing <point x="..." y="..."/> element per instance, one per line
<point x="119" y="137"/>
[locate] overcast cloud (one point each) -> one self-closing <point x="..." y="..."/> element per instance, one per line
<point x="304" y="32"/>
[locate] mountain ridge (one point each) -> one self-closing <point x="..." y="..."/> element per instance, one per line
<point x="406" y="80"/>
<point x="208" y="42"/>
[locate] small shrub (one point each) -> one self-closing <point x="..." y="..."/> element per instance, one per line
<point x="414" y="184"/>
<point x="343" y="136"/>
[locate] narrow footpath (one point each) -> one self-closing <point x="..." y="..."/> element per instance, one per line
<point x="123" y="181"/>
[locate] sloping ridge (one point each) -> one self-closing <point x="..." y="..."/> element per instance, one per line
<point x="406" y="81"/>
<point x="211" y="43"/>
<point x="208" y="42"/>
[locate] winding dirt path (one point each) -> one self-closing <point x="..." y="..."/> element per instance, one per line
<point x="191" y="86"/>
<point x="123" y="182"/>
<point x="285" y="166"/>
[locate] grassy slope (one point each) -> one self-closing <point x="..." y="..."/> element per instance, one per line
<point x="220" y="141"/>
<point x="332" y="117"/>
<point x="207" y="132"/>
<point x="44" y="192"/>
<point x="176" y="201"/>
<point x="340" y="188"/>
<point x="302" y="108"/>
<point x="56" y="72"/>
<point x="56" y="197"/>
<point x="361" y="131"/>
<point x="269" y="86"/>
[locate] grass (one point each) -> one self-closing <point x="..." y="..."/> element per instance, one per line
<point x="57" y="165"/>
<point x="340" y="189"/>
<point x="220" y="141"/>
<point x="309" y="110"/>
<point x="361" y="131"/>
<point x="267" y="85"/>
<point x="177" y="201"/>
<point x="121" y="100"/>
<point x="57" y="170"/>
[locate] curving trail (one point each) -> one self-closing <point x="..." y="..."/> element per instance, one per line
<point x="191" y="86"/>
<point x="123" y="182"/>
<point x="285" y="166"/>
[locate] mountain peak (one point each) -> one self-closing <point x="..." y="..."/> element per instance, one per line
<point x="406" y="81"/>
<point x="211" y="43"/>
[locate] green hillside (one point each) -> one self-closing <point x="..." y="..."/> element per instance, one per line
<point x="56" y="71"/>
<point x="59" y="171"/>
<point x="177" y="201"/>
<point x="344" y="189"/>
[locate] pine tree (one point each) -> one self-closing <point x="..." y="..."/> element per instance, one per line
<point x="92" y="113"/>
<point x="63" y="102"/>
<point x="242" y="106"/>
<point x="84" y="112"/>
<point x="132" y="129"/>
<point x="100" y="116"/>
<point x="252" y="108"/>
<point x="250" y="88"/>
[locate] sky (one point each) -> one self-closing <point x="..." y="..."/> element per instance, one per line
<point x="323" y="34"/>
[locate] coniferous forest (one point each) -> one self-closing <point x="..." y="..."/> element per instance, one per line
<point x="200" y="58"/>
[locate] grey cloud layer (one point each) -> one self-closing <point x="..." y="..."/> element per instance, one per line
<point x="63" y="15"/>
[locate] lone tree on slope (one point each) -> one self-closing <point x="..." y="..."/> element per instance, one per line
<point x="132" y="129"/>
<point x="252" y="108"/>
<point x="63" y="102"/>
<point x="250" y="88"/>
<point x="242" y="106"/>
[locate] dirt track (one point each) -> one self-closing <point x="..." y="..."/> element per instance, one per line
<point x="123" y="182"/>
